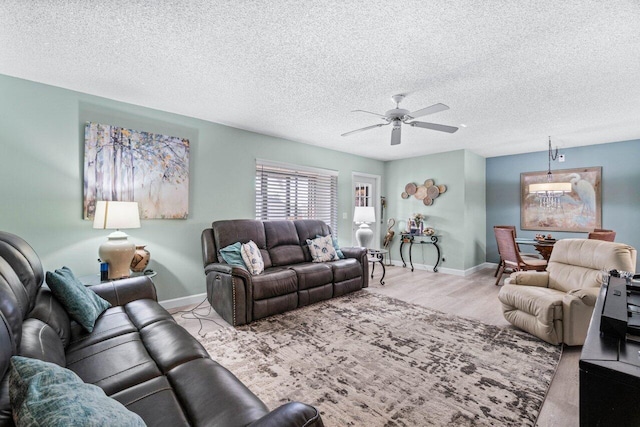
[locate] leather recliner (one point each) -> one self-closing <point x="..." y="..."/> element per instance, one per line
<point x="556" y="305"/>
<point x="136" y="353"/>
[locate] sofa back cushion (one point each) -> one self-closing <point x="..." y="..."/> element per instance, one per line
<point x="228" y="232"/>
<point x="580" y="263"/>
<point x="283" y="243"/>
<point x="309" y="229"/>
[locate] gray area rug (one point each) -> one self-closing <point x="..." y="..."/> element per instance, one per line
<point x="370" y="360"/>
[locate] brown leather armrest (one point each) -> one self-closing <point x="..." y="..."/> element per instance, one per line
<point x="356" y="252"/>
<point x="292" y="414"/>
<point x="123" y="291"/>
<point x="228" y="269"/>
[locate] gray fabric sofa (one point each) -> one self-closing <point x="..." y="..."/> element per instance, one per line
<point x="290" y="280"/>
<point x="136" y="353"/>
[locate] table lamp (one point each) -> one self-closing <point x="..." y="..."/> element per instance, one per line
<point x="117" y="251"/>
<point x="364" y="215"/>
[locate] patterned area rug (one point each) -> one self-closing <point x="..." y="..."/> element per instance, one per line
<point x="370" y="360"/>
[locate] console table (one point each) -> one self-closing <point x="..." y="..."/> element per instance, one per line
<point x="609" y="371"/>
<point x="421" y="240"/>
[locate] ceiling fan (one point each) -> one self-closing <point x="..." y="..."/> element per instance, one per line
<point x="398" y="115"/>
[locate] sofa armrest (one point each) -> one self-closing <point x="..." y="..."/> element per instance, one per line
<point x="356" y="252"/>
<point x="292" y="414"/>
<point x="577" y="308"/>
<point x="123" y="291"/>
<point x="230" y="292"/>
<point x="529" y="278"/>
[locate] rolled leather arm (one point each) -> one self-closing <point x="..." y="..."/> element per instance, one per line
<point x="123" y="291"/>
<point x="292" y="414"/>
<point x="228" y="269"/>
<point x="356" y="252"/>
<point x="529" y="278"/>
<point x="587" y="295"/>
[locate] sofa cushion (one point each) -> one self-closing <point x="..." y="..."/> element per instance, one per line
<point x="321" y="249"/>
<point x="252" y="257"/>
<point x="44" y="393"/>
<point x="274" y="282"/>
<point x="312" y="275"/>
<point x="82" y="304"/>
<point x="228" y="232"/>
<point x="40" y="341"/>
<point x="345" y="269"/>
<point x="283" y="244"/>
<point x="114" y="364"/>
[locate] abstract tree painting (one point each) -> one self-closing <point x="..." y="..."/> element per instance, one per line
<point x="128" y="165"/>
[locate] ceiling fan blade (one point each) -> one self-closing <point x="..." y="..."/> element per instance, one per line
<point x="434" y="126"/>
<point x="363" y="129"/>
<point x="435" y="108"/>
<point x="369" y="112"/>
<point x="395" y="135"/>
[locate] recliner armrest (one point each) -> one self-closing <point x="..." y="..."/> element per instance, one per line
<point x="529" y="278"/>
<point x="587" y="295"/>
<point x="228" y="269"/>
<point x="123" y="291"/>
<point x="293" y="414"/>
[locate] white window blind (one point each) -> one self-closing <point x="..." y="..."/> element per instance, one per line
<point x="286" y="191"/>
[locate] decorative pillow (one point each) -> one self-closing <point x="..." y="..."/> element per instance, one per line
<point x="43" y="393"/>
<point x="82" y="304"/>
<point x="321" y="249"/>
<point x="252" y="257"/>
<point x="335" y="246"/>
<point x="232" y="255"/>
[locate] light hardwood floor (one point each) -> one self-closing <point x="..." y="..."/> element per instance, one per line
<point x="474" y="296"/>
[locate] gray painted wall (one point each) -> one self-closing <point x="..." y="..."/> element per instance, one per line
<point x="42" y="148"/>
<point x="620" y="189"/>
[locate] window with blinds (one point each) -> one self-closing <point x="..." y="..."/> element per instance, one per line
<point x="286" y="191"/>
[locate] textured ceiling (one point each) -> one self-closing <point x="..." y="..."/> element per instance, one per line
<point x="513" y="72"/>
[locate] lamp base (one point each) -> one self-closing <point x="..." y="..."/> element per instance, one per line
<point x="118" y="252"/>
<point x="364" y="235"/>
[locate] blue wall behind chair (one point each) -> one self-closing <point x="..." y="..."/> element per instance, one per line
<point x="620" y="163"/>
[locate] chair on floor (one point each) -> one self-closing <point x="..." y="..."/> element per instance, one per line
<point x="601" y="234"/>
<point x="556" y="305"/>
<point x="510" y="256"/>
<point x="522" y="254"/>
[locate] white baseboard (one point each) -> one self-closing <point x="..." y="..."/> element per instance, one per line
<point x="183" y="301"/>
<point x="445" y="270"/>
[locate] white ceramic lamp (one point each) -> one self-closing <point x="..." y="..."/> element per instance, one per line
<point x="364" y="215"/>
<point x="117" y="251"/>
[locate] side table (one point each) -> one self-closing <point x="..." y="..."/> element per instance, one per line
<point x="419" y="239"/>
<point x="377" y="256"/>
<point x="94" y="279"/>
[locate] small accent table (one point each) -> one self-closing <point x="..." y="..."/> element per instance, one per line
<point x="94" y="279"/>
<point x="422" y="240"/>
<point x="377" y="256"/>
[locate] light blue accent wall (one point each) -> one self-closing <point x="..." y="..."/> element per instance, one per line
<point x="620" y="189"/>
<point x="42" y="149"/>
<point x="461" y="229"/>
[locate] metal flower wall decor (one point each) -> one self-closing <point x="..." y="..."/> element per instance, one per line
<point x="427" y="192"/>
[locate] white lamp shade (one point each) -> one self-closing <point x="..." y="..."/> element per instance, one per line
<point x="116" y="215"/>
<point x="550" y="186"/>
<point x="364" y="215"/>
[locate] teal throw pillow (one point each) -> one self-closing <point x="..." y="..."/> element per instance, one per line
<point x="232" y="255"/>
<point x="81" y="303"/>
<point x="45" y="394"/>
<point x="335" y="246"/>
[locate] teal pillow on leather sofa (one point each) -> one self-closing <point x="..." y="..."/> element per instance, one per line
<point x="82" y="304"/>
<point x="45" y="394"/>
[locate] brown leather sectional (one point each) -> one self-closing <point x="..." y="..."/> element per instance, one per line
<point x="290" y="280"/>
<point x="137" y="353"/>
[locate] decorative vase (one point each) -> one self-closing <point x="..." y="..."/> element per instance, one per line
<point x="140" y="259"/>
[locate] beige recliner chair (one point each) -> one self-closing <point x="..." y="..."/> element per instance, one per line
<point x="556" y="305"/>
